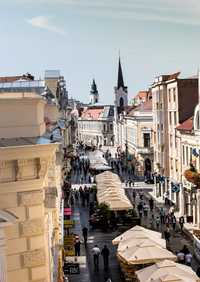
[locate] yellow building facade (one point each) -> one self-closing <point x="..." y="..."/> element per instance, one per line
<point x="30" y="189"/>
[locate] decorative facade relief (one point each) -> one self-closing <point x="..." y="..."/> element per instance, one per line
<point x="32" y="227"/>
<point x="42" y="167"/>
<point x="30" y="198"/>
<point x="34" y="258"/>
<point x="7" y="171"/>
<point x="26" y="169"/>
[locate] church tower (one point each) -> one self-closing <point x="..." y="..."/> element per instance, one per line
<point x="94" y="94"/>
<point x="121" y="92"/>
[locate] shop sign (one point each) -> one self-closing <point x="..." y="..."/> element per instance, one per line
<point x="69" y="240"/>
<point x="175" y="188"/>
<point x="71" y="268"/>
<point x="70" y="252"/>
<point x="67" y="211"/>
<point x="68" y="223"/>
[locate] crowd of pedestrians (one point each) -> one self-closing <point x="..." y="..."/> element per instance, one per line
<point x="162" y="220"/>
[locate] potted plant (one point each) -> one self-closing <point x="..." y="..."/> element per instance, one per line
<point x="193" y="176"/>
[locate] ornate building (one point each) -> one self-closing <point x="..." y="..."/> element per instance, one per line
<point x="30" y="185"/>
<point x="138" y="125"/>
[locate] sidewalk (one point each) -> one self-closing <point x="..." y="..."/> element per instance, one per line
<point x="178" y="239"/>
<point x="84" y="275"/>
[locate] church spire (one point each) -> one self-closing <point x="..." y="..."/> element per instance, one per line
<point x="120" y="80"/>
<point x="94" y="94"/>
<point x="94" y="87"/>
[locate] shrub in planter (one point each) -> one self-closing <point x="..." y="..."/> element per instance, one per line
<point x="193" y="176"/>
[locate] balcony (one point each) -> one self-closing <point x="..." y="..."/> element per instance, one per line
<point x="145" y="150"/>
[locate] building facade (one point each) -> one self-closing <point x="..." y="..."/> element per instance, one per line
<point x="171" y="97"/>
<point x="138" y="133"/>
<point x="188" y="140"/>
<point x="95" y="125"/>
<point x="30" y="185"/>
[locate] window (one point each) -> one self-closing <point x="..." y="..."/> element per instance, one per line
<point x="190" y="154"/>
<point x="104" y="127"/>
<point x="111" y="126"/>
<point x="186" y="155"/>
<point x="146" y="137"/>
<point x="171" y="140"/>
<point x="169" y="92"/>
<point x="161" y="126"/>
<point x="171" y="164"/>
<point x="176" y="165"/>
<point x="175" y="120"/>
<point x="174" y="94"/>
<point x="170" y="118"/>
<point x="183" y="148"/>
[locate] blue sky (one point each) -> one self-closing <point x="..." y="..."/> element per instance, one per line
<point x="82" y="38"/>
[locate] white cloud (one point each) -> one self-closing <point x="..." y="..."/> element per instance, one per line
<point x="44" y="23"/>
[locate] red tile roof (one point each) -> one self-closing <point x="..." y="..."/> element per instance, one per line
<point x="146" y="106"/>
<point x="142" y="94"/>
<point x="187" y="125"/>
<point x="92" y="113"/>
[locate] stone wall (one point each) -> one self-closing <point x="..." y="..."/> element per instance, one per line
<point x="27" y="248"/>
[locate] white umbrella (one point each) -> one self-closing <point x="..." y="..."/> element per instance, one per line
<point x="137" y="241"/>
<point x="167" y="271"/>
<point x="137" y="232"/>
<point x="144" y="253"/>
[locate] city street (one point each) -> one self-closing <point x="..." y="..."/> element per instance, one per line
<point x="177" y="241"/>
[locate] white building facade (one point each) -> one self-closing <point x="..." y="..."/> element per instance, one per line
<point x="138" y="134"/>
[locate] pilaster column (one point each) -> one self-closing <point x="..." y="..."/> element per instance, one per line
<point x="181" y="200"/>
<point x="170" y="191"/>
<point x="194" y="212"/>
<point x="155" y="187"/>
<point x="189" y="205"/>
<point x="198" y="208"/>
<point x="3" y="270"/>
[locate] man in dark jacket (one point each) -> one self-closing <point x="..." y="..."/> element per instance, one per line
<point x="105" y="254"/>
<point x="85" y="233"/>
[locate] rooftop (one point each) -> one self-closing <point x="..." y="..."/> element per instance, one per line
<point x="187" y="125"/>
<point x="143" y="107"/>
<point x="23" y="141"/>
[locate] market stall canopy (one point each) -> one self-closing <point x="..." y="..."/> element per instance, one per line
<point x="110" y="192"/>
<point x="137" y="241"/>
<point x="97" y="161"/>
<point x="144" y="253"/>
<point x="167" y="271"/>
<point x="137" y="232"/>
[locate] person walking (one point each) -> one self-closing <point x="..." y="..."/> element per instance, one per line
<point x="174" y="223"/>
<point x="96" y="252"/>
<point x="181" y="257"/>
<point x="167" y="234"/>
<point x="85" y="234"/>
<point x="105" y="254"/>
<point x="181" y="222"/>
<point x="157" y="222"/>
<point x="77" y="246"/>
<point x="162" y="215"/>
<point x="145" y="210"/>
<point x="188" y="259"/>
<point x="151" y="204"/>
